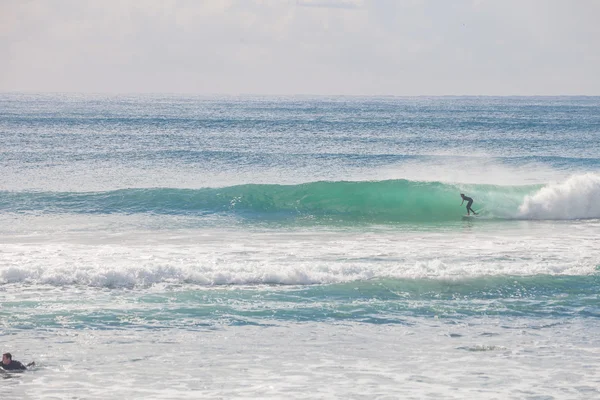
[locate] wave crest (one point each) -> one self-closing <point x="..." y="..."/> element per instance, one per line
<point x="576" y="198"/>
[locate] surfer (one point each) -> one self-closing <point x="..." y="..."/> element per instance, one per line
<point x="469" y="202"/>
<point x="9" y="364"/>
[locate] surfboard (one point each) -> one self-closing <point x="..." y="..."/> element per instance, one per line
<point x="6" y="374"/>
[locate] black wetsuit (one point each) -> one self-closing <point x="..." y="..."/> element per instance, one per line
<point x="469" y="202"/>
<point x="14" y="365"/>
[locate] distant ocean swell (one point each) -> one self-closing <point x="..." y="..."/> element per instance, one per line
<point x="389" y="201"/>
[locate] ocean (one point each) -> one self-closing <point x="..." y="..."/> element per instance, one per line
<point x="297" y="247"/>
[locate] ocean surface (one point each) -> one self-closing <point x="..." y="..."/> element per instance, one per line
<point x="171" y="247"/>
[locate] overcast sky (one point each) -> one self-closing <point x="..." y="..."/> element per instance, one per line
<point x="351" y="47"/>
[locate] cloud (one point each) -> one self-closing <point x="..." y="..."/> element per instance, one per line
<point x="301" y="47"/>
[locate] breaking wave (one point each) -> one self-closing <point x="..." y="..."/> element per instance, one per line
<point x="388" y="201"/>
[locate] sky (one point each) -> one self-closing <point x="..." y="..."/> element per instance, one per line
<point x="314" y="47"/>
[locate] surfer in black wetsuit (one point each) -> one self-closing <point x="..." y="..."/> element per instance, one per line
<point x="9" y="364"/>
<point x="469" y="202"/>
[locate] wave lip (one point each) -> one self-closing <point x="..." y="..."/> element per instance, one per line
<point x="576" y="198"/>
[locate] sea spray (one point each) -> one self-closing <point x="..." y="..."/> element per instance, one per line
<point x="576" y="198"/>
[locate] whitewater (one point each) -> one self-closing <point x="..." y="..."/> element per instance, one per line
<point x="167" y="247"/>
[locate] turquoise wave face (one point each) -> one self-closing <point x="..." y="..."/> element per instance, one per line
<point x="388" y="201"/>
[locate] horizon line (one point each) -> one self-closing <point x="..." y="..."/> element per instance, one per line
<point x="2" y="92"/>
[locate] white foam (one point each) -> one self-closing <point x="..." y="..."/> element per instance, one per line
<point x="576" y="198"/>
<point x="238" y="257"/>
<point x="483" y="357"/>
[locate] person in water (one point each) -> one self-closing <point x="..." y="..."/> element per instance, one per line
<point x="9" y="364"/>
<point x="469" y="202"/>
